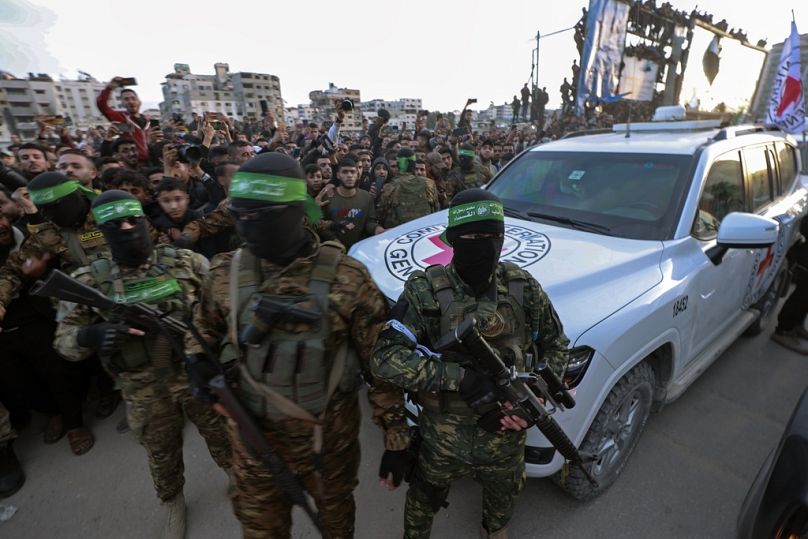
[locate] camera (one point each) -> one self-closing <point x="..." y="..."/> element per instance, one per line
<point x="189" y="153"/>
<point x="346" y="105"/>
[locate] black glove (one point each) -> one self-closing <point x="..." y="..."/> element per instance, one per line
<point x="477" y="390"/>
<point x="200" y="370"/>
<point x="105" y="338"/>
<point x="397" y="463"/>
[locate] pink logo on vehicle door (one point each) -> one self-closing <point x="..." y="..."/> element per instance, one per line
<point x="423" y="247"/>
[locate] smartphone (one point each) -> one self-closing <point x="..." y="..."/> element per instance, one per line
<point x="54" y="120"/>
<point x="264" y="106"/>
<point x="154" y="123"/>
<point x="127" y="81"/>
<point x="123" y="127"/>
<point x="211" y="116"/>
<point x="296" y="153"/>
<point x="379" y="185"/>
<point x="217" y="125"/>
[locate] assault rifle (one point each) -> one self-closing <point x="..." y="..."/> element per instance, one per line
<point x="520" y="389"/>
<point x="271" y="309"/>
<point x="63" y="287"/>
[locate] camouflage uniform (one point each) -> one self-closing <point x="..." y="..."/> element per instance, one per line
<point x="6" y="430"/>
<point x="478" y="177"/>
<point x="453" y="445"/>
<point x="356" y="311"/>
<point x="68" y="249"/>
<point x="217" y="221"/>
<point x="406" y="198"/>
<point x="156" y="395"/>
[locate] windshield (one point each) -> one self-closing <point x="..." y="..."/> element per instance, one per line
<point x="634" y="196"/>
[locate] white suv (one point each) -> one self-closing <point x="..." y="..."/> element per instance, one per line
<point x="658" y="244"/>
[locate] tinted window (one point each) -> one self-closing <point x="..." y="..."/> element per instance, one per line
<point x="722" y="194"/>
<point x="760" y="177"/>
<point x="788" y="164"/>
<point x="631" y="195"/>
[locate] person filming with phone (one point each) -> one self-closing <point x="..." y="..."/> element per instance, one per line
<point x="131" y="122"/>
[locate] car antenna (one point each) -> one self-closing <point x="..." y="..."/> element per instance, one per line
<point x="628" y="121"/>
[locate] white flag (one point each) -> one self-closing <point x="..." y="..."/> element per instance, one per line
<point x="787" y="104"/>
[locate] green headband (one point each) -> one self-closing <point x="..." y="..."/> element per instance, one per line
<point x="117" y="209"/>
<point x="48" y="195"/>
<point x="257" y="186"/>
<point x="466" y="153"/>
<point x="404" y="162"/>
<point x="483" y="210"/>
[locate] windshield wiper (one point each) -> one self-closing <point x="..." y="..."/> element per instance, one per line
<point x="510" y="212"/>
<point x="575" y="223"/>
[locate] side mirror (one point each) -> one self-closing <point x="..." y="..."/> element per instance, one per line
<point x="743" y="231"/>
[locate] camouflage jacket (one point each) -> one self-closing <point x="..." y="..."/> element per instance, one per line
<point x="212" y="223"/>
<point x="68" y="250"/>
<point x="396" y="359"/>
<point x="406" y="198"/>
<point x="357" y="310"/>
<point x="189" y="269"/>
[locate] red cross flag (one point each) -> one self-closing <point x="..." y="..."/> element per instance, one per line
<point x="787" y="104"/>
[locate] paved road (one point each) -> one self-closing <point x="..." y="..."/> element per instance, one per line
<point x="686" y="478"/>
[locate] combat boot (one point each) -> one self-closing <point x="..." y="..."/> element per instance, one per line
<point x="175" y="517"/>
<point x="11" y="474"/>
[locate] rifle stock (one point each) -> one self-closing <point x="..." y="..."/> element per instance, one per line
<point x="63" y="287"/>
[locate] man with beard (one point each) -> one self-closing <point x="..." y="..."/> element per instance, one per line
<point x="29" y="360"/>
<point x="515" y="316"/>
<point x="136" y="123"/>
<point x="438" y="171"/>
<point x="33" y="160"/>
<point x="153" y="379"/>
<point x="77" y="166"/>
<point x="474" y="174"/>
<point x="125" y="151"/>
<point x="319" y="395"/>
<point x="350" y="214"/>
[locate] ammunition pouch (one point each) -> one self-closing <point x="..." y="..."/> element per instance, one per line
<point x="435" y="494"/>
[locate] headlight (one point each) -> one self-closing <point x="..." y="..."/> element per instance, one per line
<point x="579" y="358"/>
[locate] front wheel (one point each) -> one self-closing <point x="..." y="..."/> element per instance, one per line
<point x="613" y="435"/>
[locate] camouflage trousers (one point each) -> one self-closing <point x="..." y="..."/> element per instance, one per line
<point x="260" y="505"/>
<point x="155" y="413"/>
<point x="6" y="430"/>
<point x="452" y="447"/>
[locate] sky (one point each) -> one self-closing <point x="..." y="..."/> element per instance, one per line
<point x="441" y="52"/>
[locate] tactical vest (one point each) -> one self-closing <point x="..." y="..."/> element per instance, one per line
<point x="408" y="201"/>
<point x="502" y="323"/>
<point x="290" y="374"/>
<point x="160" y="288"/>
<point x="84" y="247"/>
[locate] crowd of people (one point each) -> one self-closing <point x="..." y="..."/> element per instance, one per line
<point x="154" y="211"/>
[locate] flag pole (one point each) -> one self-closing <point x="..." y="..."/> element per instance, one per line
<point x="804" y="143"/>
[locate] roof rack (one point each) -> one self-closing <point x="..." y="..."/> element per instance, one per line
<point x="678" y="125"/>
<point x="582" y="133"/>
<point x="739" y="130"/>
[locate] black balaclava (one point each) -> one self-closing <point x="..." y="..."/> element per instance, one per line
<point x="476" y="211"/>
<point x="132" y="246"/>
<point x="47" y="191"/>
<point x="466" y="157"/>
<point x="274" y="186"/>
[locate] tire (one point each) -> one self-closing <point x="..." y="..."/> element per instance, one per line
<point x="768" y="304"/>
<point x="613" y="434"/>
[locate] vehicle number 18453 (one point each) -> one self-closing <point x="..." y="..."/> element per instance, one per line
<point x="679" y="306"/>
